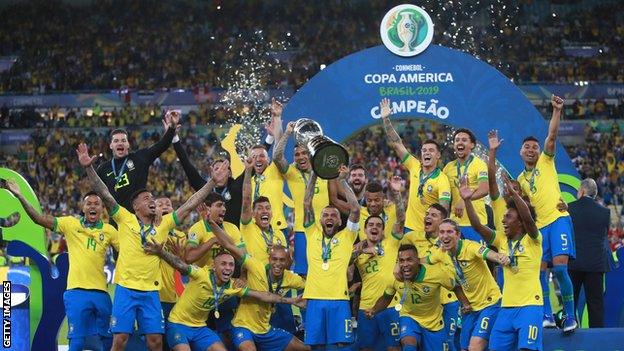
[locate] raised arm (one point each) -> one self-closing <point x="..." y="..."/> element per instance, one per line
<point x="396" y="190"/>
<point x="246" y="209"/>
<point x="226" y="241"/>
<point x="354" y="206"/>
<point x="553" y="126"/>
<point x="465" y="192"/>
<point x="170" y="123"/>
<point x="153" y="248"/>
<point x="333" y="188"/>
<point x="391" y="134"/>
<point x="195" y="179"/>
<point x="43" y="220"/>
<point x="494" y="142"/>
<point x="308" y="209"/>
<point x="523" y="210"/>
<point x="96" y="183"/>
<point x="194" y="254"/>
<point x="278" y="151"/>
<point x="183" y="211"/>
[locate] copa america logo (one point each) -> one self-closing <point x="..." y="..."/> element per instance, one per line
<point x="406" y="30"/>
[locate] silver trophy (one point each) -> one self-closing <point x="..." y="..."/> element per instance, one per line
<point x="326" y="155"/>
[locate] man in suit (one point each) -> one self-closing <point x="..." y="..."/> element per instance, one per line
<point x="591" y="224"/>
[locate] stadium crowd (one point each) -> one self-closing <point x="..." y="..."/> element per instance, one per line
<point x="117" y="44"/>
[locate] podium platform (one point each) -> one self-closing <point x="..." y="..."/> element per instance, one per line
<point x="603" y="339"/>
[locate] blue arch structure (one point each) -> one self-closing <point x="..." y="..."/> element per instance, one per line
<point x="440" y="84"/>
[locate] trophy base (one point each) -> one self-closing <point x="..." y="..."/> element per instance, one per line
<point x="327" y="157"/>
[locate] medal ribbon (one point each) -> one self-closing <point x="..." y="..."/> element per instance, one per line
<point x="406" y="289"/>
<point x="326" y="249"/>
<point x="531" y="181"/>
<point x="121" y="170"/>
<point x="144" y="232"/>
<point x="460" y="175"/>
<point x="379" y="250"/>
<point x="218" y="293"/>
<point x="270" y="279"/>
<point x="422" y="179"/>
<point x="268" y="240"/>
<point x="512" y="251"/>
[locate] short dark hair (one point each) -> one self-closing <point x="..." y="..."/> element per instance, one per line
<point x="222" y="252"/>
<point x="530" y="138"/>
<point x="356" y="166"/>
<point x="383" y="223"/>
<point x="260" y="199"/>
<point x="91" y="193"/>
<point x="220" y="156"/>
<point x="374" y="187"/>
<point x="512" y="205"/>
<point x="431" y="141"/>
<point x="137" y="193"/>
<point x="330" y="206"/>
<point x="118" y="131"/>
<point x="453" y="223"/>
<point x="279" y="247"/>
<point x="440" y="208"/>
<point x="407" y="247"/>
<point x="212" y="198"/>
<point x="259" y="146"/>
<point x="471" y="135"/>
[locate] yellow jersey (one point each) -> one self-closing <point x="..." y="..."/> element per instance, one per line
<point x="424" y="191"/>
<point x="201" y="232"/>
<point x="328" y="280"/>
<point x="251" y="313"/>
<point x="499" y="207"/>
<point x="421" y="296"/>
<point x="376" y="272"/>
<point x="388" y="214"/>
<point x="472" y="272"/>
<point x="258" y="242"/>
<point x="86" y="248"/>
<point x="541" y="184"/>
<point x="167" y="290"/>
<point x="297" y="181"/>
<point x="136" y="269"/>
<point x="522" y="285"/>
<point x="426" y="246"/>
<point x="198" y="298"/>
<point x="271" y="184"/>
<point x="476" y="171"/>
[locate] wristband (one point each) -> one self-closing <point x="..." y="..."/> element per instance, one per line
<point x="176" y="139"/>
<point x="269" y="139"/>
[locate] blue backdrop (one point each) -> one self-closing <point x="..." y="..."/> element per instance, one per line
<point x="440" y="84"/>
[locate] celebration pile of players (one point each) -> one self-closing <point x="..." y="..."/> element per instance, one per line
<point x="432" y="274"/>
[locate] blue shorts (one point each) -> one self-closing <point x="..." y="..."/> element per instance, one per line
<point x="469" y="233"/>
<point x="427" y="339"/>
<point x="479" y="324"/>
<point x="198" y="338"/>
<point x="275" y="339"/>
<point x="300" y="266"/>
<point x="88" y="312"/>
<point x="134" y="305"/>
<point x="517" y="328"/>
<point x="382" y="329"/>
<point x="558" y="239"/>
<point x="328" y="322"/>
<point x="450" y="314"/>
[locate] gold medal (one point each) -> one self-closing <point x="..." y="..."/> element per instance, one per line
<point x="217" y="314"/>
<point x="325" y="266"/>
<point x="398" y="307"/>
<point x="514" y="269"/>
